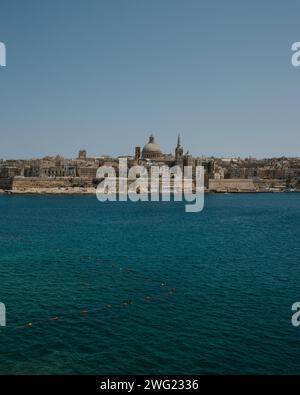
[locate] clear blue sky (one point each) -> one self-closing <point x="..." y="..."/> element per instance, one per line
<point x="103" y="74"/>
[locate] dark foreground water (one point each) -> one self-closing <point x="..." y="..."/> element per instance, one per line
<point x="235" y="268"/>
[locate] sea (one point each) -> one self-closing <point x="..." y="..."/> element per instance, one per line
<point x="146" y="288"/>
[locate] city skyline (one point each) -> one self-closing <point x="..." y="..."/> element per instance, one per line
<point x="168" y="151"/>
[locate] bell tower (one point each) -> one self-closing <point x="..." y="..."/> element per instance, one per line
<point x="178" y="151"/>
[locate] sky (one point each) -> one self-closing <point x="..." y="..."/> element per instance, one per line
<point x="101" y="75"/>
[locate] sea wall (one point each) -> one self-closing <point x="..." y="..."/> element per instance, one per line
<point x="236" y="185"/>
<point x="85" y="185"/>
<point x="52" y="185"/>
<point x="245" y="185"/>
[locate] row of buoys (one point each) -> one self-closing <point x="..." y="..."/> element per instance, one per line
<point x="124" y="303"/>
<point x="109" y="306"/>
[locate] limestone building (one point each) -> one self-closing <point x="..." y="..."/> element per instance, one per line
<point x="151" y="150"/>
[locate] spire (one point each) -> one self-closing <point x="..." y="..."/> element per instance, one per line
<point x="178" y="141"/>
<point x="178" y="150"/>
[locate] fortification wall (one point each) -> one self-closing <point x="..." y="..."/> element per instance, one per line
<point x="234" y="185"/>
<point x="245" y="185"/>
<point x="25" y="184"/>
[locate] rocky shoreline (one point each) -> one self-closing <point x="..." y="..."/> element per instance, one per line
<point x="50" y="191"/>
<point x="92" y="191"/>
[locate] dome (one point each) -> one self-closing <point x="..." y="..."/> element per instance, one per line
<point x="151" y="149"/>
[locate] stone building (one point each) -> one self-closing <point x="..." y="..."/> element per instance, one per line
<point x="82" y="155"/>
<point x="178" y="152"/>
<point x="152" y="150"/>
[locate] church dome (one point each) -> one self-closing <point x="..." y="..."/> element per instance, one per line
<point x="151" y="149"/>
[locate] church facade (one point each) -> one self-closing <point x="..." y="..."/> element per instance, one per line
<point x="152" y="153"/>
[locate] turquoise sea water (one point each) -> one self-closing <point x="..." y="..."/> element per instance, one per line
<point x="206" y="293"/>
